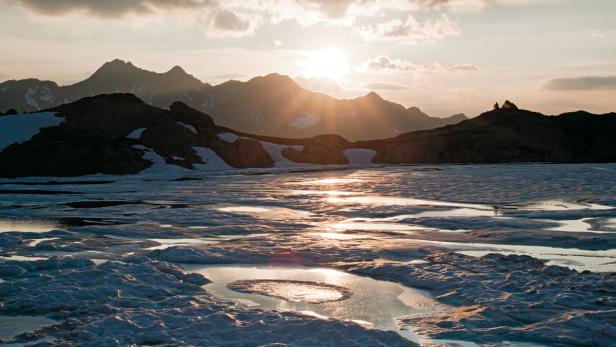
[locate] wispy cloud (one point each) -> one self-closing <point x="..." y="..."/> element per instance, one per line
<point x="385" y="64"/>
<point x="109" y="8"/>
<point x="463" y="68"/>
<point x="384" y="86"/>
<point x="583" y="83"/>
<point x="473" y="5"/>
<point x="410" y="30"/>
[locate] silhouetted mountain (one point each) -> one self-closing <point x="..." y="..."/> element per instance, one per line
<point x="272" y="105"/>
<point x="301" y="113"/>
<point x="119" y="76"/>
<point x="120" y="134"/>
<point x="506" y="135"/>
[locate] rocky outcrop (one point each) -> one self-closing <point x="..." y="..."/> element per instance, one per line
<point x="506" y="135"/>
<point x="243" y="153"/>
<point x="324" y="149"/>
<point x="112" y="133"/>
<point x="508" y="105"/>
<point x="9" y="112"/>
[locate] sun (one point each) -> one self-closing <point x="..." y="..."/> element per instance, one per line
<point x="327" y="63"/>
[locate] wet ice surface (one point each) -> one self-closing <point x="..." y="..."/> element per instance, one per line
<point x="504" y="246"/>
<point x="322" y="292"/>
<point x="11" y="326"/>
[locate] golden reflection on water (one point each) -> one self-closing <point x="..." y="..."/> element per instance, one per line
<point x="27" y="226"/>
<point x="269" y="212"/>
<point x="329" y="181"/>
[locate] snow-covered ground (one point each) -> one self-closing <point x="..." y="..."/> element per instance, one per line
<point x="21" y="128"/>
<point x="471" y="255"/>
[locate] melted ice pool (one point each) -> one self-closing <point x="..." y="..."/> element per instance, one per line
<point x="27" y="226"/>
<point x="322" y="292"/>
<point x="11" y="326"/>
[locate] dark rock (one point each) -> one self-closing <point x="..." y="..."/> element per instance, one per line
<point x="509" y="105"/>
<point x="183" y="113"/>
<point x="244" y="153"/>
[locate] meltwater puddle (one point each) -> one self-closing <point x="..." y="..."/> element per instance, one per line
<point x="11" y="326"/>
<point x="27" y="225"/>
<point x="324" y="293"/>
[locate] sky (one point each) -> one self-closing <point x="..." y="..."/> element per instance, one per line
<point x="443" y="56"/>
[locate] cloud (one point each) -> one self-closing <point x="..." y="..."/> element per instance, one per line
<point x="109" y="8"/>
<point x="472" y="5"/>
<point x="583" y="83"/>
<point x="410" y="30"/>
<point x="463" y="68"/>
<point x="385" y="64"/>
<point x="225" y="23"/>
<point x="331" y="8"/>
<point x="384" y="86"/>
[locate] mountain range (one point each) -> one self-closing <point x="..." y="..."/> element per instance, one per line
<point x="121" y="134"/>
<point x="272" y="105"/>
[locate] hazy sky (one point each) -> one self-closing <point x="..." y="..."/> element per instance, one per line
<point x="444" y="56"/>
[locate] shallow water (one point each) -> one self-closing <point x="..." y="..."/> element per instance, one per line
<point x="27" y="225"/>
<point x="373" y="303"/>
<point x="564" y="215"/>
<point x="11" y="326"/>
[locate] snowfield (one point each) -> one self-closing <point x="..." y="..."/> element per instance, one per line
<point x="392" y="256"/>
<point x="228" y="137"/>
<point x="275" y="152"/>
<point x="135" y="134"/>
<point x="21" y="128"/>
<point x="359" y="156"/>
<point x="189" y="127"/>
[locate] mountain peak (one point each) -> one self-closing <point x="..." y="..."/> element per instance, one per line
<point x="118" y="63"/>
<point x="177" y="70"/>
<point x="373" y="95"/>
<point x="275" y="80"/>
<point x="116" y="66"/>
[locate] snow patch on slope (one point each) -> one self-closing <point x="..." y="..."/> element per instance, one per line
<point x="305" y="120"/>
<point x="228" y="137"/>
<point x="275" y="152"/>
<point x="359" y="156"/>
<point x="211" y="159"/>
<point x="159" y="165"/>
<point x="36" y="94"/>
<point x="188" y="126"/>
<point x="136" y="134"/>
<point x="21" y="128"/>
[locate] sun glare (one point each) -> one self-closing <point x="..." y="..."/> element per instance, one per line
<point x="329" y="63"/>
